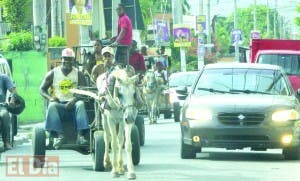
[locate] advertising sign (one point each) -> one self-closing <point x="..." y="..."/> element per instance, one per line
<point x="182" y="36"/>
<point x="80" y="12"/>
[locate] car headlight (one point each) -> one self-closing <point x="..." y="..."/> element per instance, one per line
<point x="198" y="114"/>
<point x="285" y="115"/>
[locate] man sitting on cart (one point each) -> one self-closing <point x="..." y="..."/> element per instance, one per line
<point x="62" y="103"/>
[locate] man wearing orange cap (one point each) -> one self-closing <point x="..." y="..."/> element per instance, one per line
<point x="62" y="104"/>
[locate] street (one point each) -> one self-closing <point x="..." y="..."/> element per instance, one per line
<point x="160" y="160"/>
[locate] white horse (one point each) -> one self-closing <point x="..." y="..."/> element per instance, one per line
<point x="118" y="118"/>
<point x="152" y="89"/>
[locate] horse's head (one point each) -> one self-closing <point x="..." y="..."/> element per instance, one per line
<point x="149" y="80"/>
<point x="125" y="91"/>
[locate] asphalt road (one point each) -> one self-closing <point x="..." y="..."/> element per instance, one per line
<point x="160" y="160"/>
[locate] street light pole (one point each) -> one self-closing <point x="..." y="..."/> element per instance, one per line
<point x="268" y="19"/>
<point x="236" y="47"/>
<point x="177" y="19"/>
<point x="254" y="16"/>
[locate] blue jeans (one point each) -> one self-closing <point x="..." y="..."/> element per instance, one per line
<point x="57" y="112"/>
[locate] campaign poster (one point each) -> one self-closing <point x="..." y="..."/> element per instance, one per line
<point x="162" y="32"/>
<point x="80" y="11"/>
<point x="182" y="36"/>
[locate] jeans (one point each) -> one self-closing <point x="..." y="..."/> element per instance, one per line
<point x="122" y="55"/>
<point x="4" y="124"/>
<point x="57" y="112"/>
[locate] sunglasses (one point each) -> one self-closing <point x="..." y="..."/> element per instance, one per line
<point x="107" y="55"/>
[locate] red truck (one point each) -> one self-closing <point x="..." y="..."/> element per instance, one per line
<point x="285" y="53"/>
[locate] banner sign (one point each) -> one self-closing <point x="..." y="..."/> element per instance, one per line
<point x="80" y="12"/>
<point x="182" y="36"/>
<point x="162" y="32"/>
<point x="201" y="23"/>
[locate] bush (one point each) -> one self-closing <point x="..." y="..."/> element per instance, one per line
<point x="57" y="41"/>
<point x="21" y="41"/>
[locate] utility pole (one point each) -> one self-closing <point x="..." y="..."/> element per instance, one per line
<point x="254" y="16"/>
<point x="177" y="19"/>
<point x="275" y="20"/>
<point x="236" y="47"/>
<point x="208" y="28"/>
<point x="268" y="19"/>
<point x="114" y="15"/>
<point x="201" y="49"/>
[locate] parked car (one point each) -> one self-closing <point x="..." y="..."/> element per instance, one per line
<point x="179" y="80"/>
<point x="234" y="106"/>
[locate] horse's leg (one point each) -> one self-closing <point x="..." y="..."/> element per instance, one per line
<point x="154" y="110"/>
<point x="128" y="149"/>
<point x="121" y="170"/>
<point x="114" y="147"/>
<point x="107" y="140"/>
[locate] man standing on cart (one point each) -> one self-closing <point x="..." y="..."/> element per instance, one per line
<point x="124" y="37"/>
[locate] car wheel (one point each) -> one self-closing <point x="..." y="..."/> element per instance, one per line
<point x="291" y="153"/>
<point x="98" y="152"/>
<point x="176" y="108"/>
<point x="187" y="151"/>
<point x="167" y="114"/>
<point x="139" y="122"/>
<point x="39" y="146"/>
<point x="135" y="141"/>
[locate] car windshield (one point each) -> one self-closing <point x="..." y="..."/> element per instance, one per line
<point x="289" y="62"/>
<point x="182" y="79"/>
<point x="241" y="81"/>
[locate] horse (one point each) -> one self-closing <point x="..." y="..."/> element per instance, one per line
<point x="152" y="89"/>
<point x="117" y="119"/>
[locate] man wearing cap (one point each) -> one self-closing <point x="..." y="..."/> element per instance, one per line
<point x="124" y="36"/>
<point x="62" y="104"/>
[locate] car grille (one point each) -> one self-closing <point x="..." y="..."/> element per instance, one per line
<point x="242" y="137"/>
<point x="241" y="118"/>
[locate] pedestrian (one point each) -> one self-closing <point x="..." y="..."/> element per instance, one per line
<point x="98" y="60"/>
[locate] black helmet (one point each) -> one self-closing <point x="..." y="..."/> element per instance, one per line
<point x="19" y="105"/>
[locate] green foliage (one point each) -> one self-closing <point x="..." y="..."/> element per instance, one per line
<point x="297" y="19"/>
<point x="21" y="41"/>
<point x="14" y="13"/>
<point x="57" y="41"/>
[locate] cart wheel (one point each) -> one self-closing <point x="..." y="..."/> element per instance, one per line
<point x="98" y="152"/>
<point x="135" y="141"/>
<point x="176" y="108"/>
<point x="139" y="122"/>
<point x="39" y="146"/>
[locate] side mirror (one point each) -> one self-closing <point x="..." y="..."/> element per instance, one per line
<point x="182" y="93"/>
<point x="182" y="90"/>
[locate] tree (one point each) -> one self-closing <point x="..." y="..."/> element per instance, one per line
<point x="224" y="26"/>
<point x="14" y="13"/>
<point x="297" y="19"/>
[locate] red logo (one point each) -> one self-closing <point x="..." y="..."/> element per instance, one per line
<point x="29" y="166"/>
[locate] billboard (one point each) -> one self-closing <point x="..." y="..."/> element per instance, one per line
<point x="182" y="36"/>
<point x="80" y="12"/>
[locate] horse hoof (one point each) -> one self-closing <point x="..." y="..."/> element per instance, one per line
<point x="131" y="176"/>
<point x="107" y="165"/>
<point x="114" y="175"/>
<point x="121" y="172"/>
